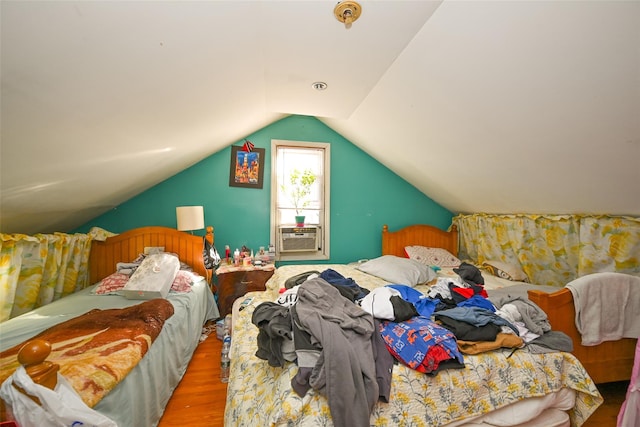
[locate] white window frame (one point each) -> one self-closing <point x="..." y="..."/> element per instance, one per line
<point x="324" y="226"/>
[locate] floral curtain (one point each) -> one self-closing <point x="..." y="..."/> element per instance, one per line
<point x="553" y="249"/>
<point x="36" y="270"/>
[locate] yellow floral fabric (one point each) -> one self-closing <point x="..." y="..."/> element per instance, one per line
<point x="552" y="249"/>
<point x="36" y="270"/>
<point x="609" y="244"/>
<point x="261" y="395"/>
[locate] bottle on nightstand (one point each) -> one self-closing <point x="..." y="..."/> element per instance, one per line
<point x="272" y="252"/>
<point x="236" y="257"/>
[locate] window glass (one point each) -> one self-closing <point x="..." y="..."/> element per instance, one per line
<point x="305" y="165"/>
<point x="300" y="183"/>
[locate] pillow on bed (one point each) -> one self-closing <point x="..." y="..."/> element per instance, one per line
<point x="506" y="271"/>
<point x="432" y="256"/>
<point x="113" y="284"/>
<point x="182" y="282"/>
<point x="398" y="270"/>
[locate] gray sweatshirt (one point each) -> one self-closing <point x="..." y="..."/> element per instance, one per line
<point x="345" y="372"/>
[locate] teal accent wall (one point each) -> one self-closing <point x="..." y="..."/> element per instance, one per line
<point x="365" y="195"/>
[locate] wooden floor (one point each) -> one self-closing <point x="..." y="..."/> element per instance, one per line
<point x="200" y="398"/>
<point x="606" y="414"/>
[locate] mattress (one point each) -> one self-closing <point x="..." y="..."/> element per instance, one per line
<point x="139" y="399"/>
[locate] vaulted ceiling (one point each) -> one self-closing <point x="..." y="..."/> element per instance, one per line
<point x="485" y="106"/>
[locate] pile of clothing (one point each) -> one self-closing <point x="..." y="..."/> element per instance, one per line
<point x="319" y="325"/>
<point x="345" y="339"/>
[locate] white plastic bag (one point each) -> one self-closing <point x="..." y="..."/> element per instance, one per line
<point x="60" y="407"/>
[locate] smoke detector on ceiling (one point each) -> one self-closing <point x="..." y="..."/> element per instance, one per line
<point x="347" y="12"/>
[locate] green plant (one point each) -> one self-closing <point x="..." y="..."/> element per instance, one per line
<point x="299" y="188"/>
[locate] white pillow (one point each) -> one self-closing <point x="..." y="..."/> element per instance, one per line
<point x="506" y="271"/>
<point x="397" y="270"/>
<point x="432" y="256"/>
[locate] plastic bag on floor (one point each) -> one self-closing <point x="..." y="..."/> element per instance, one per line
<point x="59" y="407"/>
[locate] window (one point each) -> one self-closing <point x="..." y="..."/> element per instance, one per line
<point x="307" y="165"/>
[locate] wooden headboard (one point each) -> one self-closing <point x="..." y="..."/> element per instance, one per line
<point x="127" y="246"/>
<point x="393" y="242"/>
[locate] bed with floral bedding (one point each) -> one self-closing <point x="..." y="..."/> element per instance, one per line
<point x="498" y="387"/>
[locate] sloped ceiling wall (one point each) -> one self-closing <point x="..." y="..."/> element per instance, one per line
<point x="502" y="107"/>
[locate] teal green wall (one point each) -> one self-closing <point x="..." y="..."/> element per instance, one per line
<point x="365" y="195"/>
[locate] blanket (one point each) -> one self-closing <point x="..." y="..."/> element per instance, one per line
<point x="607" y="306"/>
<point x="98" y="349"/>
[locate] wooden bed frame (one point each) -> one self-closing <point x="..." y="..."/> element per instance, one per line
<point x="128" y="245"/>
<point x="606" y="362"/>
<point x="393" y="242"/>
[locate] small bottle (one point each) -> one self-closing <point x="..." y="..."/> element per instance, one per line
<point x="227" y="253"/>
<point x="225" y="361"/>
<point x="236" y="257"/>
<point x="272" y="252"/>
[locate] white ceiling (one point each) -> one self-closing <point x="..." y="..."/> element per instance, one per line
<point x="485" y="106"/>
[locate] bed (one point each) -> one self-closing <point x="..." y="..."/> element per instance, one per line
<point x="498" y="387"/>
<point x="140" y="398"/>
<point x="609" y="361"/>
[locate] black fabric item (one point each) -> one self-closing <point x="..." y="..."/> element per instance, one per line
<point x="300" y="383"/>
<point x="336" y="278"/>
<point x="298" y="279"/>
<point x="470" y="274"/>
<point x="274" y="324"/>
<point x="384" y="363"/>
<point x="346" y="291"/>
<point x="467" y="332"/>
<point x="402" y="309"/>
<point x="444" y="303"/>
<point x="210" y="256"/>
<point x="446" y="364"/>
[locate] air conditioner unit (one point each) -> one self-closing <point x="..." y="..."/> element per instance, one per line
<point x="298" y="239"/>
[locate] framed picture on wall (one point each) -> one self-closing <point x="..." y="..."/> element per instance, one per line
<point x="247" y="167"/>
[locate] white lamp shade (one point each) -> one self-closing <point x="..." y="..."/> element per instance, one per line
<point x="190" y="217"/>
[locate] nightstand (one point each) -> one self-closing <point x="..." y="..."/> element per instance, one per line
<point x="234" y="282"/>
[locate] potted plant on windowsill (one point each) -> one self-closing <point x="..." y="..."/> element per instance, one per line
<point x="298" y="191"/>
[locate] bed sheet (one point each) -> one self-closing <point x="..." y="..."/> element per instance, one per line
<point x="140" y="399"/>
<point x="261" y="395"/>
